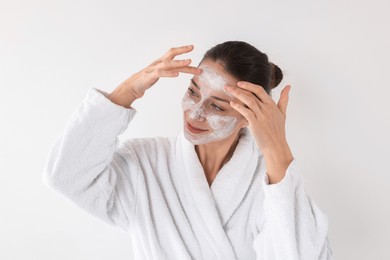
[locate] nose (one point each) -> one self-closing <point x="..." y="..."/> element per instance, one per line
<point x="200" y="119"/>
<point x="197" y="113"/>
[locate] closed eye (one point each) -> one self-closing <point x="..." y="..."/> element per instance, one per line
<point x="217" y="107"/>
<point x="192" y="92"/>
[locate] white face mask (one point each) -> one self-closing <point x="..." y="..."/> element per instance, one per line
<point x="202" y="108"/>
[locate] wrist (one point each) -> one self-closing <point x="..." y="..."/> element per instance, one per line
<point x="277" y="160"/>
<point x="278" y="154"/>
<point x="123" y="96"/>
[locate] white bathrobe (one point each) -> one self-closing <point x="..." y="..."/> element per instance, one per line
<point x="155" y="189"/>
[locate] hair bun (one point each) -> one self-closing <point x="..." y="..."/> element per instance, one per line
<point x="277" y="75"/>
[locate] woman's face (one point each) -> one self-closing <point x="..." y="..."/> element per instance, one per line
<point x="207" y="114"/>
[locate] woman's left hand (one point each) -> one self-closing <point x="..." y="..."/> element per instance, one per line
<point x="267" y="123"/>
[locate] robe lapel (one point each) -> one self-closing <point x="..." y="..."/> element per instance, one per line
<point x="233" y="180"/>
<point x="216" y="204"/>
<point x="199" y="193"/>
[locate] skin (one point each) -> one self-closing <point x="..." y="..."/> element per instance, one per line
<point x="203" y="109"/>
<point x="135" y="86"/>
<point x="213" y="155"/>
<point x="251" y="104"/>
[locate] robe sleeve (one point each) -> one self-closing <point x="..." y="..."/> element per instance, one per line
<point x="86" y="164"/>
<point x="293" y="226"/>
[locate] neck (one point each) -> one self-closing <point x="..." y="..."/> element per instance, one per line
<point x="214" y="155"/>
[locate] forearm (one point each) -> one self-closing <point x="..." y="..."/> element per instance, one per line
<point x="292" y="226"/>
<point x="82" y="165"/>
<point x="87" y="142"/>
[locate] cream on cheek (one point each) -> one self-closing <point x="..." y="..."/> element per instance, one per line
<point x="221" y="125"/>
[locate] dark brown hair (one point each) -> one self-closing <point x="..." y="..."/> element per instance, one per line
<point x="245" y="62"/>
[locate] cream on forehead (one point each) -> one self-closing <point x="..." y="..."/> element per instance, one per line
<point x="212" y="79"/>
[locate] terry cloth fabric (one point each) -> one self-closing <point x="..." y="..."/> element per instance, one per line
<point x="155" y="189"/>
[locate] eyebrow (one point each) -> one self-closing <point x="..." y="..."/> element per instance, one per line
<point x="217" y="98"/>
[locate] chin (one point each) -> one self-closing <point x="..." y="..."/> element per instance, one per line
<point x="200" y="138"/>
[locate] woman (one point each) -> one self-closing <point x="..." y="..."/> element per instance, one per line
<point x="227" y="187"/>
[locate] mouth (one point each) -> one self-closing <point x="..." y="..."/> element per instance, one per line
<point x="194" y="129"/>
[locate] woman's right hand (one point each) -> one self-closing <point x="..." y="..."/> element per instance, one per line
<point x="135" y="86"/>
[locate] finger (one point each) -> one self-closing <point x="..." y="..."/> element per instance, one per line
<point x="246" y="112"/>
<point x="283" y="101"/>
<point x="171" y="64"/>
<point x="245" y="97"/>
<point x="174" y="51"/>
<point x="189" y="70"/>
<point x="257" y="90"/>
<point x="168" y="73"/>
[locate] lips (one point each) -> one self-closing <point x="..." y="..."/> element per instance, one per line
<point x="194" y="129"/>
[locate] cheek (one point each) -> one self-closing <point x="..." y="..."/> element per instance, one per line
<point x="221" y="122"/>
<point x="187" y="103"/>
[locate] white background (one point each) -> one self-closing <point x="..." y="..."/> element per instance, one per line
<point x="335" y="54"/>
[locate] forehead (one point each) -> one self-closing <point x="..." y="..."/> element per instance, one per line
<point x="213" y="75"/>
